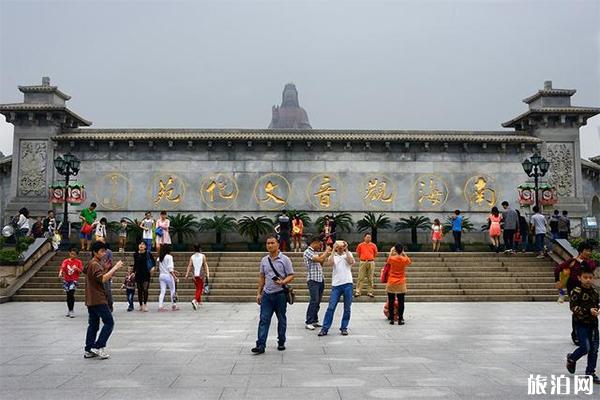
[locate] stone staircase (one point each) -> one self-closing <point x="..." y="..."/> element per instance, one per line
<point x="434" y="277"/>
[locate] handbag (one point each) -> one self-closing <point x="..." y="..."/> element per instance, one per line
<point x="385" y="273"/>
<point x="149" y="262"/>
<point x="159" y="231"/>
<point x="288" y="290"/>
<point x="86" y="228"/>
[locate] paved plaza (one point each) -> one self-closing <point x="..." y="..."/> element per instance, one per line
<point x="445" y="351"/>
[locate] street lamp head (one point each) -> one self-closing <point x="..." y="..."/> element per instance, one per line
<point x="544" y="166"/>
<point x="536" y="158"/>
<point x="75" y="163"/>
<point x="59" y="164"/>
<point x="527" y="166"/>
<point x="68" y="158"/>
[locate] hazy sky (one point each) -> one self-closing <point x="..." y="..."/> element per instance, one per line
<point x="367" y="65"/>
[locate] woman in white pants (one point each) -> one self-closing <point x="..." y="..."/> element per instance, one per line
<point x="167" y="277"/>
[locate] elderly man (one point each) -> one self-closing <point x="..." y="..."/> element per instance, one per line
<point x="314" y="280"/>
<point x="276" y="272"/>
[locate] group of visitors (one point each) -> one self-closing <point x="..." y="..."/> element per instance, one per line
<point x="294" y="228"/>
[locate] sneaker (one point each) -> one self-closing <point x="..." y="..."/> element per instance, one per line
<point x="570" y="364"/>
<point x="162" y="309"/>
<point x="401" y="321"/>
<point x="371" y="295"/>
<point x="391" y="322"/>
<point x="129" y="309"/>
<point x="89" y="354"/>
<point x="174" y="307"/>
<point x="344" y="332"/>
<point x="71" y="314"/>
<point x="195" y="304"/>
<point x="68" y="315"/>
<point x="309" y="327"/>
<point x="540" y="256"/>
<point x="595" y="379"/>
<point x="258" y="350"/>
<point x="281" y="347"/>
<point x="356" y="294"/>
<point x="322" y="333"/>
<point x="317" y="325"/>
<point x="101" y="353"/>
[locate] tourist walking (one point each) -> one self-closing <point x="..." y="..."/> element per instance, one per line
<point x="129" y="286"/>
<point x="457" y="227"/>
<point x="88" y="218"/>
<point x="510" y="219"/>
<point x="97" y="304"/>
<point x="283" y="230"/>
<point x="495" y="230"/>
<point x="523" y="231"/>
<point x="314" y="280"/>
<point x="436" y="235"/>
<point x="69" y="271"/>
<point x="366" y="251"/>
<point x="200" y="274"/>
<point x="162" y="231"/>
<point x="564" y="225"/>
<point x="538" y="228"/>
<point x="147" y="226"/>
<point x="396" y="282"/>
<point x="297" y="232"/>
<point x="166" y="278"/>
<point x="341" y="285"/>
<point x="276" y="272"/>
<point x="553" y="224"/>
<point x="585" y="305"/>
<point x="122" y="235"/>
<point x="143" y="265"/>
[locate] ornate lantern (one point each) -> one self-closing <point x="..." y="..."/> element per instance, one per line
<point x="76" y="194"/>
<point x="526" y="194"/>
<point x="56" y="194"/>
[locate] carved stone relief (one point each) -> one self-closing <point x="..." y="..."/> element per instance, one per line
<point x="561" y="173"/>
<point x="32" y="168"/>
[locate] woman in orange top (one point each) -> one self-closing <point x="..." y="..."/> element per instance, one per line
<point x="396" y="283"/>
<point x="297" y="232"/>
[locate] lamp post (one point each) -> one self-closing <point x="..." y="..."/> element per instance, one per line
<point x="536" y="167"/>
<point x="67" y="165"/>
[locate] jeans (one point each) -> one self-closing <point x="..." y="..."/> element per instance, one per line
<point x="148" y="245"/>
<point x="315" y="291"/>
<point x="457" y="236"/>
<point x="130" y="296"/>
<point x="95" y="314"/>
<point x="588" y="344"/>
<point x="524" y="241"/>
<point x="334" y="298"/>
<point x="509" y="239"/>
<point x="272" y="303"/>
<point x="108" y="291"/>
<point x="539" y="242"/>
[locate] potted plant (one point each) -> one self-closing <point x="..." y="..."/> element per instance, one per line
<point x="182" y="226"/>
<point x="372" y="222"/>
<point x="414" y="224"/>
<point x="467" y="226"/>
<point x="253" y="228"/>
<point x="219" y="224"/>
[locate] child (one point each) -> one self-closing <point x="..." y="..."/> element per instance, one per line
<point x="198" y="262"/>
<point x="69" y="271"/>
<point x="123" y="235"/>
<point x="101" y="230"/>
<point x="585" y="303"/>
<point x="129" y="286"/>
<point x="436" y="234"/>
<point x="564" y="275"/>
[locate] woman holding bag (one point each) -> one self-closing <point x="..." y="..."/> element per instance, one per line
<point x="142" y="266"/>
<point x="396" y="282"/>
<point x="162" y="231"/>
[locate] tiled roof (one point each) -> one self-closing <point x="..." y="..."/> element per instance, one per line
<point x="44" y="89"/>
<point x="4" y="108"/>
<point x="590" y="164"/>
<point x="550" y="92"/>
<point x="586" y="111"/>
<point x="294" y="135"/>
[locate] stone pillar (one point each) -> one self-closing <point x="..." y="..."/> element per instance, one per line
<point x="41" y="116"/>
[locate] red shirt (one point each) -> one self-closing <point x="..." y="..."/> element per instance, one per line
<point x="71" y="269"/>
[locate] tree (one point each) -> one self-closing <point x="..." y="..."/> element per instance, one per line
<point x="219" y="224"/>
<point x="467" y="225"/>
<point x="374" y="223"/>
<point x="182" y="226"/>
<point x="254" y="228"/>
<point x="414" y="224"/>
<point x="343" y="222"/>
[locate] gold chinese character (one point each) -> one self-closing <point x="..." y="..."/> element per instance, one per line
<point x="482" y="193"/>
<point x="166" y="191"/>
<point x="269" y="189"/>
<point x="434" y="196"/>
<point x="376" y="191"/>
<point x="325" y="191"/>
<point x="220" y="187"/>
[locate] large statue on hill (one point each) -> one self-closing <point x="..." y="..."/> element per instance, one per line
<point x="289" y="115"/>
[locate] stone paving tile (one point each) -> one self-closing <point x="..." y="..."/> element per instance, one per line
<point x="449" y="351"/>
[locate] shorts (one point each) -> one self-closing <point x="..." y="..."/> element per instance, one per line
<point x="84" y="236"/>
<point x="67" y="286"/>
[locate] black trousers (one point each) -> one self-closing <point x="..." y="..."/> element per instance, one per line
<point x="509" y="239"/>
<point x="391" y="298"/>
<point x="71" y="299"/>
<point x="142" y="288"/>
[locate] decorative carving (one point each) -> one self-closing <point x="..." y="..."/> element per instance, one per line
<point x="323" y="191"/>
<point x="480" y="192"/>
<point x="32" y="165"/>
<point x="561" y="174"/>
<point x="166" y="189"/>
<point x="378" y="192"/>
<point x="272" y="191"/>
<point x="112" y="191"/>
<point x="219" y="191"/>
<point x="431" y="191"/>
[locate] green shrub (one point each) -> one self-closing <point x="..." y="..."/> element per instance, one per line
<point x="9" y="255"/>
<point x="24" y="243"/>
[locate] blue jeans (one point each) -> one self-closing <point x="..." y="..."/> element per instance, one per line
<point x="315" y="290"/>
<point x="95" y="314"/>
<point x="588" y="339"/>
<point x="269" y="304"/>
<point x="334" y="298"/>
<point x="130" y="295"/>
<point x="524" y="241"/>
<point x="148" y="245"/>
<point x="539" y="242"/>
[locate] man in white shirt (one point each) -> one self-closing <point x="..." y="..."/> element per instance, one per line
<point x="538" y="228"/>
<point x="341" y="285"/>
